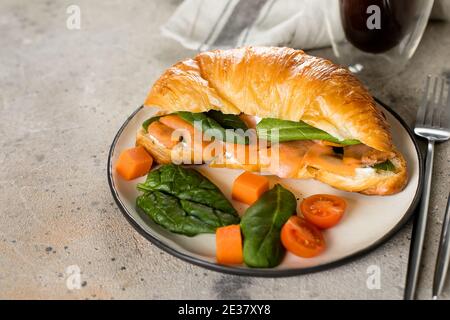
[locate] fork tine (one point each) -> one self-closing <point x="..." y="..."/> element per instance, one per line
<point x="424" y="104"/>
<point x="446" y="113"/>
<point x="428" y="121"/>
<point x="440" y="105"/>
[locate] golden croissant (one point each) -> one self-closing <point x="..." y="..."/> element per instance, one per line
<point x="327" y="125"/>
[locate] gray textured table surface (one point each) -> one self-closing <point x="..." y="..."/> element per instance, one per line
<point x="64" y="93"/>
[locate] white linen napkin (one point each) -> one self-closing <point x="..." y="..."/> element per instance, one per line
<point x="208" y="24"/>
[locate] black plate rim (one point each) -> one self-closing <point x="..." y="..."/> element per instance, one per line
<point x="268" y="273"/>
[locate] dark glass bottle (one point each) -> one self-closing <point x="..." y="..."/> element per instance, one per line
<point x="393" y="17"/>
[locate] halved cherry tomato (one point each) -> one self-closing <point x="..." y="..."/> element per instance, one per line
<point x="323" y="210"/>
<point x="302" y="238"/>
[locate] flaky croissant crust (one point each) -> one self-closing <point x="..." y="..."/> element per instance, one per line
<point x="274" y="82"/>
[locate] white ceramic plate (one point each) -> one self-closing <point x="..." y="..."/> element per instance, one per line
<point x="369" y="221"/>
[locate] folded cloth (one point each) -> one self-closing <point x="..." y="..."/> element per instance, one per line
<point x="208" y="24"/>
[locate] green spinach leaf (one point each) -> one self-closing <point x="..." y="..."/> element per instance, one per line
<point x="228" y="121"/>
<point x="204" y="123"/>
<point x="167" y="211"/>
<point x="184" y="201"/>
<point x="208" y="215"/>
<point x="293" y="130"/>
<point x="386" y="166"/>
<point x="186" y="184"/>
<point x="261" y="226"/>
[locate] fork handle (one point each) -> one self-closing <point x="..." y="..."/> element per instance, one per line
<point x="420" y="225"/>
<point x="443" y="258"/>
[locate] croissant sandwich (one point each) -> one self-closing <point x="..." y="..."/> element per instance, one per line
<point x="276" y="111"/>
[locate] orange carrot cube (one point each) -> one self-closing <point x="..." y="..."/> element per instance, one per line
<point x="133" y="163"/>
<point x="229" y="245"/>
<point x="248" y="187"/>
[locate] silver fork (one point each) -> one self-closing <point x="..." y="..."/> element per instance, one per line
<point x="433" y="124"/>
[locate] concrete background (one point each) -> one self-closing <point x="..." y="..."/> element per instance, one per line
<point x="63" y="96"/>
